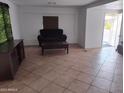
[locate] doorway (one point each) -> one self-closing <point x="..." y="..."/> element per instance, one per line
<point x="112" y="28"/>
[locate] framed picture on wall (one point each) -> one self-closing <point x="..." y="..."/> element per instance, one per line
<point x="50" y="22"/>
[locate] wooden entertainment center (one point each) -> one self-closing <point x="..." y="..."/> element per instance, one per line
<point x="11" y="55"/>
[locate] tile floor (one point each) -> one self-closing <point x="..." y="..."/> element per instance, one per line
<point x="94" y="71"/>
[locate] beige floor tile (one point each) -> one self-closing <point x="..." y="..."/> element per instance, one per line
<point x="7" y="83"/>
<point x="9" y="90"/>
<point x="63" y="80"/>
<point x="90" y="71"/>
<point x="119" y="65"/>
<point x="29" y="78"/>
<point x="52" y="75"/>
<point x="102" y="83"/>
<point x="60" y="69"/>
<point x="86" y="69"/>
<point x="105" y="75"/>
<point x="16" y="85"/>
<point x="68" y="91"/>
<point x="27" y="64"/>
<point x="53" y="88"/>
<point x="96" y="90"/>
<point x="32" y="67"/>
<point x="108" y="69"/>
<point x="12" y="84"/>
<point x="78" y="87"/>
<point x="39" y="63"/>
<point x="39" y="84"/>
<point x="117" y="88"/>
<point x="37" y="72"/>
<point x="118" y="79"/>
<point x="72" y="73"/>
<point x="21" y="73"/>
<point x="87" y="78"/>
<point x="109" y="64"/>
<point x="3" y="84"/>
<point x="43" y="70"/>
<point x="119" y="72"/>
<point x="27" y="90"/>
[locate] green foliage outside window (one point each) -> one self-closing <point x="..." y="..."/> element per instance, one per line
<point x="3" y="37"/>
<point x="108" y="25"/>
<point x="5" y="24"/>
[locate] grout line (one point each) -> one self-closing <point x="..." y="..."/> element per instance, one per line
<point x="70" y="67"/>
<point x="112" y="79"/>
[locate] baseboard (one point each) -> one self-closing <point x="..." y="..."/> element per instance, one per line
<point x="87" y="49"/>
<point x="74" y="45"/>
<point x="31" y="45"/>
<point x="70" y="45"/>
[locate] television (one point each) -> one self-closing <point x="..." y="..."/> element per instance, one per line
<point x="5" y="24"/>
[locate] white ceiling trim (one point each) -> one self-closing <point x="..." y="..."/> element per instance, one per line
<point x="53" y="2"/>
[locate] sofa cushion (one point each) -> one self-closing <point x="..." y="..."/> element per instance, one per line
<point x="51" y="32"/>
<point x="51" y="35"/>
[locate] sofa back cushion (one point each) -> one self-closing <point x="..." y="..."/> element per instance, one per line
<point x="51" y="32"/>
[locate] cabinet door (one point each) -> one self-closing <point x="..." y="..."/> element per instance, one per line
<point x="14" y="61"/>
<point x="5" y="69"/>
<point x="20" y="51"/>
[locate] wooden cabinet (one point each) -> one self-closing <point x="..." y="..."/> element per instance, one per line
<point x="11" y="55"/>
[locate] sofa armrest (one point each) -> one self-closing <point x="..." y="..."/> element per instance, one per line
<point x="39" y="38"/>
<point x="64" y="37"/>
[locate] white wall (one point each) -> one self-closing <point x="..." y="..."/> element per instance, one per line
<point x="82" y="26"/>
<point x="14" y="18"/>
<point x="31" y="22"/>
<point x="121" y="32"/>
<point x="94" y="27"/>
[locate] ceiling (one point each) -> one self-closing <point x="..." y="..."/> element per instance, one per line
<point x="53" y="2"/>
<point x="114" y="5"/>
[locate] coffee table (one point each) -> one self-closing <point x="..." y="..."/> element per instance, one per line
<point x="54" y="45"/>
